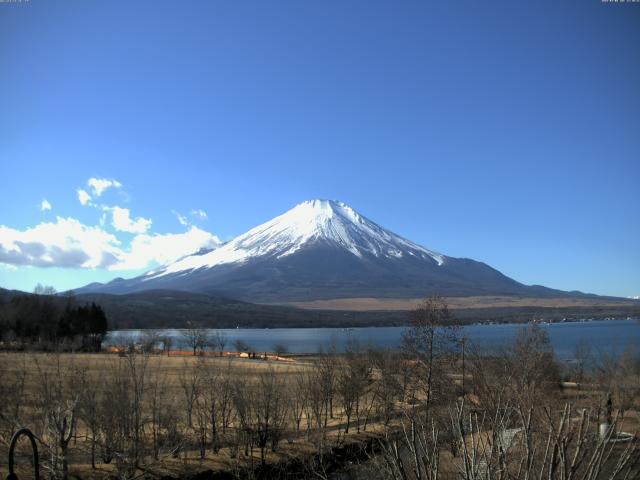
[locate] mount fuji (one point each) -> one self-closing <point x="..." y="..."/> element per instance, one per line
<point x="324" y="249"/>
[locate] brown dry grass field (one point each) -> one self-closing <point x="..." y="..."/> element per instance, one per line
<point x="171" y="368"/>
<point x="188" y="461"/>
<point x="395" y="304"/>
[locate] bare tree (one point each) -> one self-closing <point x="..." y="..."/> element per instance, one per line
<point x="387" y="389"/>
<point x="619" y="375"/>
<point x="58" y="404"/>
<point x="559" y="446"/>
<point x="353" y="379"/>
<point x="326" y="366"/>
<point x="269" y="410"/>
<point x="203" y="415"/>
<point x="209" y="403"/>
<point x="120" y="414"/>
<point x="491" y="376"/>
<point x="582" y="358"/>
<point x="114" y="422"/>
<point x="534" y="371"/>
<point x="299" y="397"/>
<point x="212" y="406"/>
<point x="190" y="379"/>
<point x="13" y="376"/>
<point x="319" y="381"/>
<point x="167" y="343"/>
<point x="195" y="337"/>
<point x="218" y="340"/>
<point x="243" y="402"/>
<point x="161" y="412"/>
<point x="122" y="410"/>
<point x="412" y="454"/>
<point x="149" y="340"/>
<point x="279" y="349"/>
<point x="225" y="378"/>
<point x="432" y="336"/>
<point x="91" y="390"/>
<point x="241" y="346"/>
<point x="137" y="368"/>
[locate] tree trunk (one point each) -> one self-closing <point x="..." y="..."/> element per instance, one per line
<point x="214" y="434"/>
<point x="65" y="464"/>
<point x="93" y="452"/>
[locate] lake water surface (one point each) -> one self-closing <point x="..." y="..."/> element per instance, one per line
<point x="606" y="336"/>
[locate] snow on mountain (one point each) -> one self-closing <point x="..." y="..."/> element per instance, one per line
<point x="323" y="249"/>
<point x="327" y="221"/>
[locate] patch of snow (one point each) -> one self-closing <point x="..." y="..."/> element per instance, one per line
<point x="326" y="220"/>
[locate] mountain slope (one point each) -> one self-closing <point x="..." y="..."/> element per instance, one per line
<point x="324" y="249"/>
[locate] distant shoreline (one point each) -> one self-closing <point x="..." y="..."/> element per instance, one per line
<point x="585" y="320"/>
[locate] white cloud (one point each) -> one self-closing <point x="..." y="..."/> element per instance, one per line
<point x="122" y="221"/>
<point x="99" y="185"/>
<point x="67" y="243"/>
<point x="83" y="197"/>
<point x="181" y="218"/>
<point x="63" y="243"/>
<point x="199" y="213"/>
<point x="162" y="249"/>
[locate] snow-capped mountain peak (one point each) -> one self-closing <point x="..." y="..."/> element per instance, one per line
<point x="327" y="222"/>
<point x="323" y="249"/>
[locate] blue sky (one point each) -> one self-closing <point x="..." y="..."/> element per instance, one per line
<point x="507" y="132"/>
